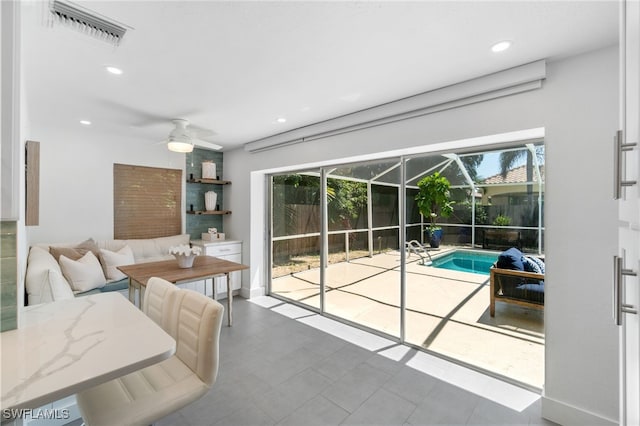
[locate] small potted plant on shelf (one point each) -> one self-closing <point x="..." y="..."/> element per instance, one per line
<point x="433" y="201"/>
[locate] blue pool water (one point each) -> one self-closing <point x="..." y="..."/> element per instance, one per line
<point x="466" y="261"/>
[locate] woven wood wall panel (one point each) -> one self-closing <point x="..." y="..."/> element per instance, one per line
<point x="147" y="202"/>
<point x="32" y="184"/>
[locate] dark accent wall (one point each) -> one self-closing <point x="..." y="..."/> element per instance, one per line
<point x="197" y="224"/>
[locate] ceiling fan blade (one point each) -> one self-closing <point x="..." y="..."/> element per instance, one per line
<point x="207" y="145"/>
<point x="140" y="118"/>
<point x="148" y="119"/>
<point x="200" y="132"/>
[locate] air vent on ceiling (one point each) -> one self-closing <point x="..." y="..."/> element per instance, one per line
<point x="88" y="22"/>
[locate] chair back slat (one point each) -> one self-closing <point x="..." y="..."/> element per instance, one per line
<point x="193" y="320"/>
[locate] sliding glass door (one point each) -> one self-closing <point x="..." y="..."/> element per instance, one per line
<point x="295" y="237"/>
<point x="363" y="271"/>
<point x="497" y="204"/>
<point x="351" y="242"/>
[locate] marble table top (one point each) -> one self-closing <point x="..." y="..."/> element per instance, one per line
<point x="63" y="347"/>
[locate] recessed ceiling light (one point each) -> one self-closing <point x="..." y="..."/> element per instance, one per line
<point x="281" y="120"/>
<point x="501" y="46"/>
<point x="85" y="122"/>
<point x="114" y="70"/>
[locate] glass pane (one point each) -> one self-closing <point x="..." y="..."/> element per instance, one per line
<point x="385" y="205"/>
<point x="387" y="171"/>
<point x="448" y="290"/>
<point x="347" y="204"/>
<point x="295" y="246"/>
<point x="362" y="277"/>
<point x="513" y="214"/>
<point x="419" y="167"/>
<point x="510" y="166"/>
<point x="455" y="175"/>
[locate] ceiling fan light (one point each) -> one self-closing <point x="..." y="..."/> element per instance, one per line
<point x="176" y="146"/>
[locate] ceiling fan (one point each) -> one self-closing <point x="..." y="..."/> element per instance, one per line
<point x="185" y="136"/>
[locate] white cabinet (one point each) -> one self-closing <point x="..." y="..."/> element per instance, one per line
<point x="228" y="250"/>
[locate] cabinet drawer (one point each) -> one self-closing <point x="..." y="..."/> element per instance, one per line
<point x="219" y="250"/>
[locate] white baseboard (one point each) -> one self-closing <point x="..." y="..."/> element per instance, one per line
<point x="248" y="293"/>
<point x="568" y="415"/>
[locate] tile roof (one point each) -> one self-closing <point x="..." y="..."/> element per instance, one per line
<point x="517" y="175"/>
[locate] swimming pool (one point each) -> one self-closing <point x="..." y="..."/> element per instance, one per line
<point x="466" y="261"/>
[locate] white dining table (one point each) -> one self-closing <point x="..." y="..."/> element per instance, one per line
<point x="66" y="346"/>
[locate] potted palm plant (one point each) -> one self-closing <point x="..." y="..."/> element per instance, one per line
<point x="433" y="201"/>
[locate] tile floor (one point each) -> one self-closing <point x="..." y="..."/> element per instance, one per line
<point x="447" y="311"/>
<point x="283" y="365"/>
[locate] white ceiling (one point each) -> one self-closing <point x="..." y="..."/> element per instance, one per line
<point x="235" y="66"/>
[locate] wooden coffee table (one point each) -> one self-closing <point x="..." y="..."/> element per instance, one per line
<point x="204" y="267"/>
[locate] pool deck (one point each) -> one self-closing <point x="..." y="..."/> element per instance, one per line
<point x="447" y="311"/>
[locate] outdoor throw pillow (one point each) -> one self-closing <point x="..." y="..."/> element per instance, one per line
<point x="83" y="274"/>
<point x="111" y="260"/>
<point x="511" y="259"/>
<point x="530" y="265"/>
<point x="538" y="262"/>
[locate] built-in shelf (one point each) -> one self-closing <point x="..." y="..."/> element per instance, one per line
<point x="213" y="181"/>
<point x="209" y="212"/>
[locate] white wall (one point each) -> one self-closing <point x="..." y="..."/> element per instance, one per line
<point x="76" y="179"/>
<point x="578" y="107"/>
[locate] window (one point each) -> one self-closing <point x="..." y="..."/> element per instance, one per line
<point x="146" y="202"/>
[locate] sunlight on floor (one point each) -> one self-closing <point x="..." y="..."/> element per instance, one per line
<point x="508" y="395"/>
<point x="447" y="312"/>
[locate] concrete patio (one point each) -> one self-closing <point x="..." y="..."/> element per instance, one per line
<point x="447" y="312"/>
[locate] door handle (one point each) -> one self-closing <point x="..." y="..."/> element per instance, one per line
<point x="620" y="147"/>
<point x="619" y="307"/>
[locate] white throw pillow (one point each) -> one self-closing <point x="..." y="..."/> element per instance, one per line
<point x="83" y="274"/>
<point x="58" y="286"/>
<point x="112" y="260"/>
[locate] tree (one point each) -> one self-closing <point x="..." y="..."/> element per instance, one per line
<point x="471" y="163"/>
<point x="433" y="198"/>
<point x="348" y="202"/>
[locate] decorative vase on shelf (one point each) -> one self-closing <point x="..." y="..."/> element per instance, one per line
<point x="210" y="200"/>
<point x="208" y="170"/>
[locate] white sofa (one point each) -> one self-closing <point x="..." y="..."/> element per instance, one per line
<point x="46" y="282"/>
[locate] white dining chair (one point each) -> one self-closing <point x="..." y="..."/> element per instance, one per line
<point x="147" y="395"/>
<point x="157" y="301"/>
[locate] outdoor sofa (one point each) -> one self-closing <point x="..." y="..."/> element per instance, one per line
<point x="518" y="279"/>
